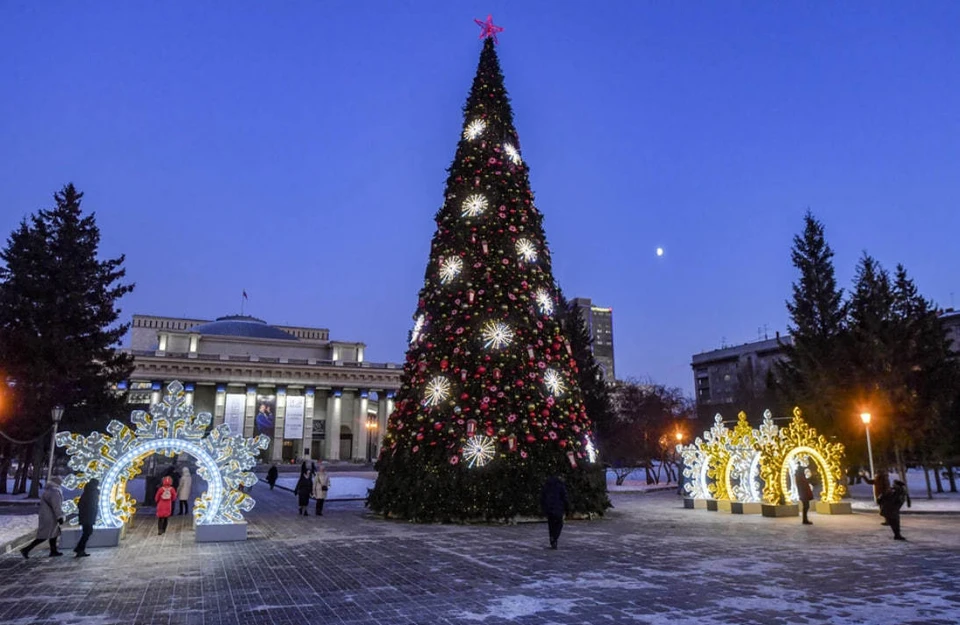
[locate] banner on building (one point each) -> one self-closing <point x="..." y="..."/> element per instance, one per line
<point x="266" y="411"/>
<point x="234" y="411"/>
<point x="293" y="421"/>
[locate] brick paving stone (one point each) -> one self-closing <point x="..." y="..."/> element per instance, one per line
<point x="649" y="561"/>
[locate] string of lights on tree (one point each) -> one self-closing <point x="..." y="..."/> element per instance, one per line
<point x="489" y="404"/>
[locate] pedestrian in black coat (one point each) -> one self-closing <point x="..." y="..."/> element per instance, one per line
<point x="272" y="475"/>
<point x="890" y="504"/>
<point x="87" y="515"/>
<point x="303" y="490"/>
<point x="553" y="501"/>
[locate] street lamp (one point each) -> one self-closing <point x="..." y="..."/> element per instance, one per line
<point x="56" y="414"/>
<point x="865" y="417"/>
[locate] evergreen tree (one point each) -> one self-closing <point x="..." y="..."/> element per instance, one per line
<point x="490" y="403"/>
<point x="810" y="375"/>
<point x="593" y="386"/>
<point x="58" y="313"/>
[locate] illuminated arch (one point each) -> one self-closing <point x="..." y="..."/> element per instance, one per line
<point x="169" y="428"/>
<point x="705" y="460"/>
<point x="796" y="444"/>
<point x="742" y="473"/>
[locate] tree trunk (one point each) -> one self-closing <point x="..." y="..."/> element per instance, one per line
<point x="926" y="475"/>
<point x="20" y="481"/>
<point x="37" y="470"/>
<point x="936" y="478"/>
<point x="646" y="468"/>
<point x="901" y="466"/>
<point x="4" y="467"/>
<point x="952" y="478"/>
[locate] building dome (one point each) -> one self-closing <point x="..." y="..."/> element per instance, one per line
<point x="242" y="325"/>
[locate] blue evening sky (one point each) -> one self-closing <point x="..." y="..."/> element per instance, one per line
<point x="298" y="150"/>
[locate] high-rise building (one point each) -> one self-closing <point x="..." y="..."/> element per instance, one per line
<point x="599" y="323"/>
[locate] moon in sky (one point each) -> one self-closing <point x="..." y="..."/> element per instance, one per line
<point x="659" y="251"/>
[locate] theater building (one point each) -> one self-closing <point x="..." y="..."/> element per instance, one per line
<point x="293" y="384"/>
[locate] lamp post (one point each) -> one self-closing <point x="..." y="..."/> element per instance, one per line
<point x="865" y="417"/>
<point x="371" y="426"/>
<point x="56" y="414"/>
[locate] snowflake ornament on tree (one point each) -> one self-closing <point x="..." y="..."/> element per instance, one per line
<point x="450" y="269"/>
<point x="527" y="250"/>
<point x="474" y="129"/>
<point x="479" y="450"/>
<point x="474" y="205"/>
<point x="496" y="335"/>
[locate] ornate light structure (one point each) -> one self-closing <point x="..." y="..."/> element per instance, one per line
<point x="170" y="428"/>
<point x="743" y="464"/>
<point x="438" y="390"/>
<point x="474" y="129"/>
<point x="479" y="450"/>
<point x="474" y="205"/>
<point x="450" y="269"/>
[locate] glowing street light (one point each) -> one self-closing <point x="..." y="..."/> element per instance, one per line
<point x="865" y="417"/>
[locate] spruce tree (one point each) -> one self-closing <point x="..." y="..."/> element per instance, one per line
<point x="812" y="371"/>
<point x="490" y="403"/>
<point x="58" y="314"/>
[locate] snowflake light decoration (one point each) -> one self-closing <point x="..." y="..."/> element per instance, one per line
<point x="527" y="250"/>
<point x="474" y="129"/>
<point x="437" y="390"/>
<point x="450" y="269"/>
<point x="544" y="302"/>
<point x="417" y="329"/>
<point x="554" y="382"/>
<point x="474" y="205"/>
<point x="479" y="450"/>
<point x="743" y="464"/>
<point x="496" y="334"/>
<point x="169" y="428"/>
<point x="695" y="464"/>
<point x="512" y="153"/>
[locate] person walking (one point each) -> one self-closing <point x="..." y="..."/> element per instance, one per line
<point x="553" y="501"/>
<point x="890" y="504"/>
<point x="321" y="484"/>
<point x="308" y="464"/>
<point x="272" y="476"/>
<point x="804" y="492"/>
<point x="303" y="490"/>
<point x="50" y="518"/>
<point x="87" y="515"/>
<point x="183" y="493"/>
<point x="166" y="495"/>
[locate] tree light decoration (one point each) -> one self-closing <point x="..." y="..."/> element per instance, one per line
<point x="170" y="428"/>
<point x="479" y="450"/>
<point x="474" y="129"/>
<point x="512" y="153"/>
<point x="544" y="302"/>
<point x="554" y="382"/>
<point x="438" y="390"/>
<point x="527" y="250"/>
<point x="450" y="269"/>
<point x="496" y="334"/>
<point x="417" y="328"/>
<point x="474" y="205"/>
<point x="591" y="450"/>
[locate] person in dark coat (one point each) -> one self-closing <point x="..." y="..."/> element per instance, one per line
<point x="87" y="513"/>
<point x="50" y="518"/>
<point x="890" y="504"/>
<point x="880" y="483"/>
<point x="553" y="502"/>
<point x="302" y="491"/>
<point x="272" y="475"/>
<point x="804" y="492"/>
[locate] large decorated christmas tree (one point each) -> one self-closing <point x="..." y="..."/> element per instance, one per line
<point x="489" y="404"/>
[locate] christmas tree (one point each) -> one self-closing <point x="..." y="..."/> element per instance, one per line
<point x="489" y="404"/>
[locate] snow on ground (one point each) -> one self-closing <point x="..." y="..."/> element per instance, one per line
<point x="636" y="482"/>
<point x="861" y="495"/>
<point x="13" y="526"/>
<point x="341" y="487"/>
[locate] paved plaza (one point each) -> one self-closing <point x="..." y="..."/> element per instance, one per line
<point x="649" y="561"/>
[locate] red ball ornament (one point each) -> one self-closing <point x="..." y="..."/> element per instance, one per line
<point x="444" y="364"/>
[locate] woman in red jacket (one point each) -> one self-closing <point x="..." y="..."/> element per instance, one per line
<point x="165" y="497"/>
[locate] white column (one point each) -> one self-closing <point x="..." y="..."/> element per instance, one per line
<point x="188" y="394"/>
<point x="382" y="414"/>
<point x="276" y="444"/>
<point x="333" y="426"/>
<point x="360" y="438"/>
<point x="308" y="422"/>
<point x="251" y="412"/>
<point x="219" y="404"/>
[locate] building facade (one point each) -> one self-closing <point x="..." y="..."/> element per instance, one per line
<point x="292" y="383"/>
<point x="599" y="323"/>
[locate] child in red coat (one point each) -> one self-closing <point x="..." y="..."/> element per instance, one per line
<point x="165" y="497"/>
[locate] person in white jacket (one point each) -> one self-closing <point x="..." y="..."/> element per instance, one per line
<point x="321" y="484"/>
<point x="183" y="493"/>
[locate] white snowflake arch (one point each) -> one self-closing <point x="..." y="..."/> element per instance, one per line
<point x="170" y="428"/>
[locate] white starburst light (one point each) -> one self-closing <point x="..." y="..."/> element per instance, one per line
<point x="417" y="329"/>
<point x="496" y="334"/>
<point x="474" y="205"/>
<point x="544" y="302"/>
<point x="450" y="269"/>
<point x="554" y="382"/>
<point x="527" y="250"/>
<point x="438" y="390"/>
<point x="591" y="451"/>
<point x="512" y="153"/>
<point x="479" y="450"/>
<point x="474" y="129"/>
